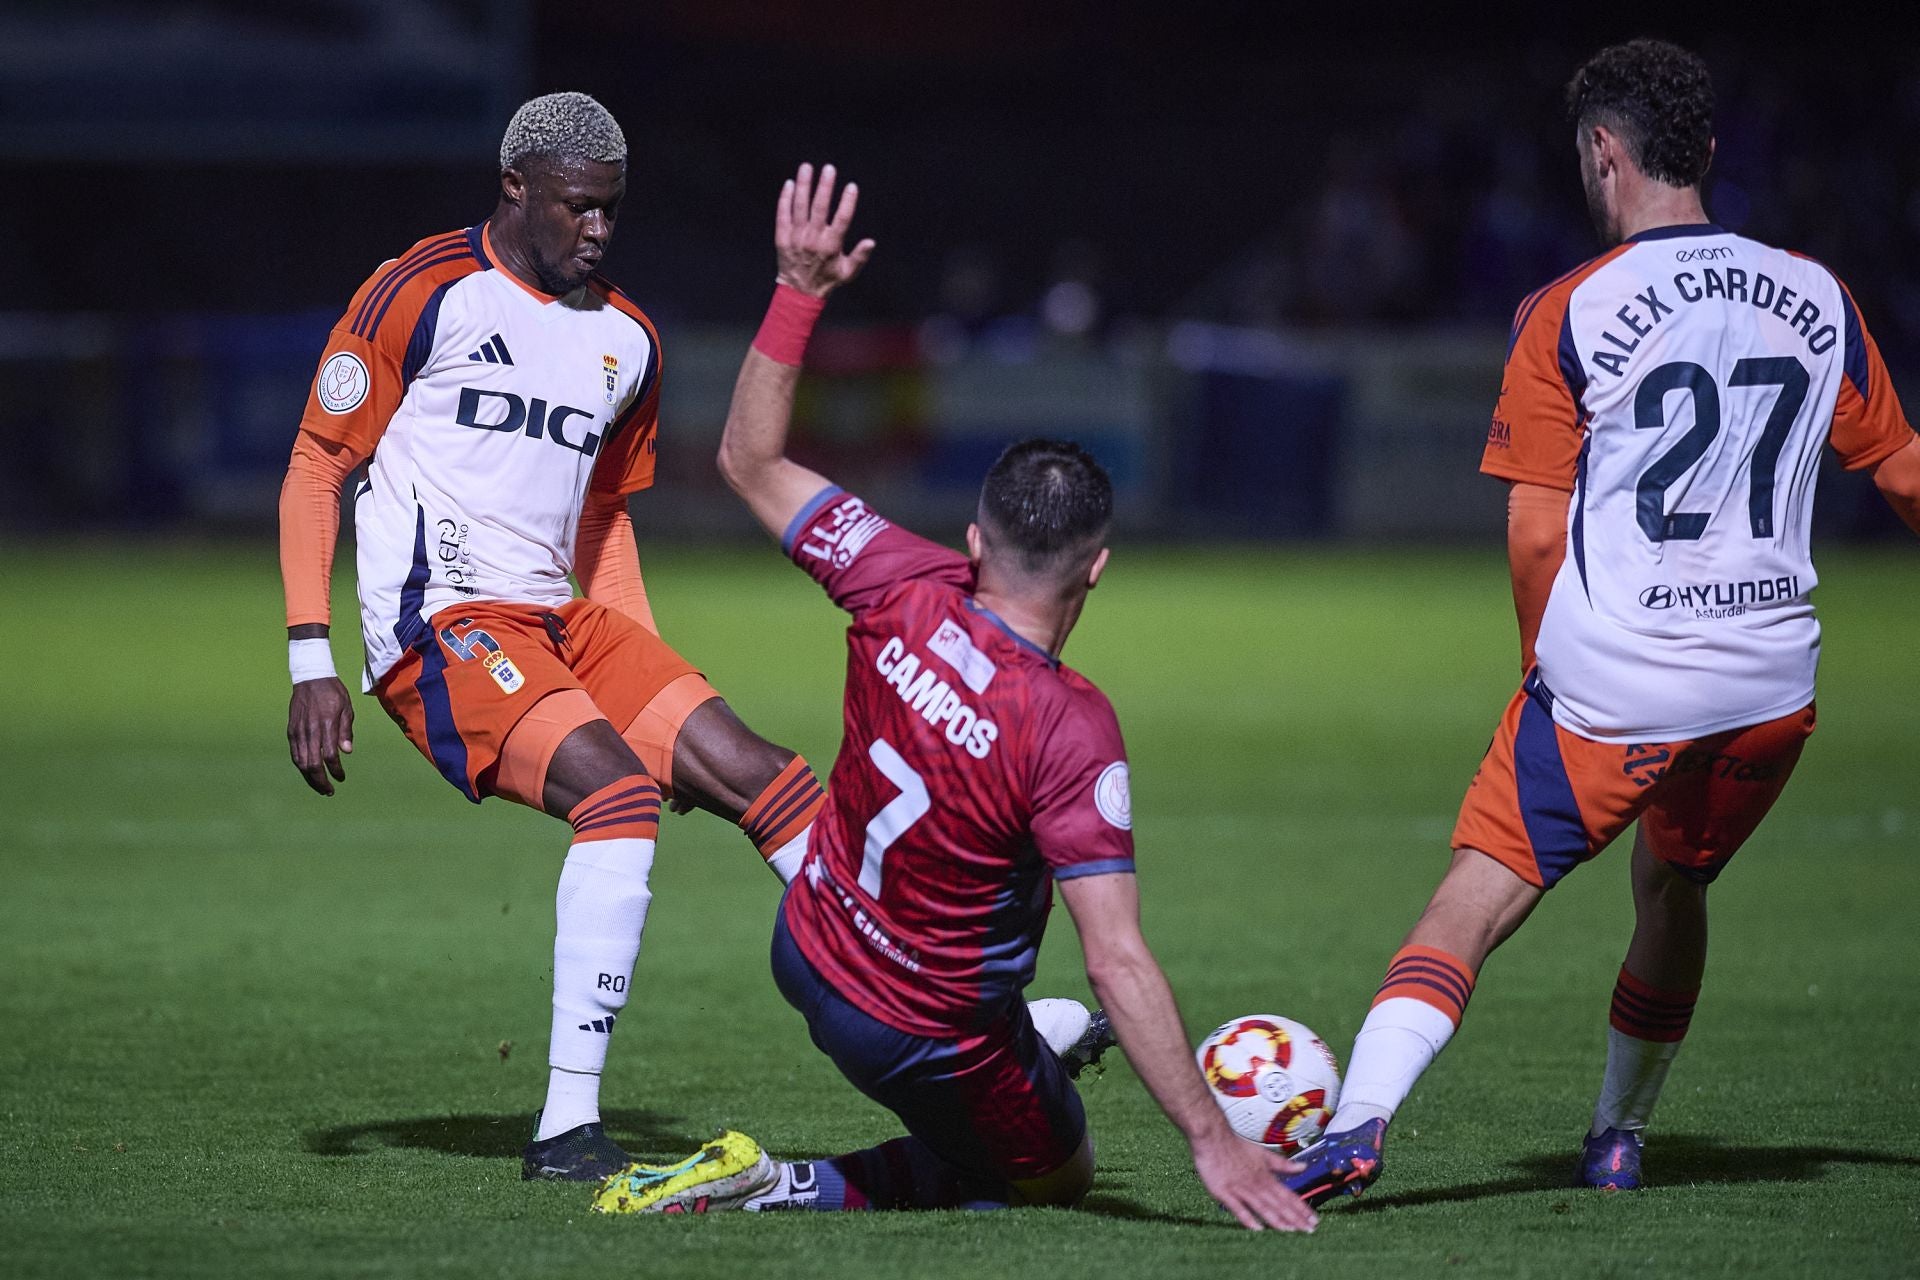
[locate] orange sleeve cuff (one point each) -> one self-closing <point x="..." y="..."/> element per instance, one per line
<point x="606" y="559"/>
<point x="310" y="525"/>
<point x="1546" y="501"/>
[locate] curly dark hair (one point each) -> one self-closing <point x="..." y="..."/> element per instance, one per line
<point x="1048" y="501"/>
<point x="1658" y="98"/>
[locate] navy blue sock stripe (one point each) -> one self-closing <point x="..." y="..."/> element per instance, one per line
<point x="1424" y="982"/>
<point x="624" y="805"/>
<point x="793" y="784"/>
<point x="644" y="790"/>
<point x="1434" y="975"/>
<point x="625" y="820"/>
<point x="1657" y="1008"/>
<point x="787" y="812"/>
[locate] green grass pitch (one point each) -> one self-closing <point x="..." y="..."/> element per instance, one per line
<point x="253" y="1032"/>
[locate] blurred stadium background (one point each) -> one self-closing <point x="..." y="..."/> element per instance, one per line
<point x="1263" y="265"/>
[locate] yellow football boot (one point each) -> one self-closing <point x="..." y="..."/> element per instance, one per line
<point x="724" y="1174"/>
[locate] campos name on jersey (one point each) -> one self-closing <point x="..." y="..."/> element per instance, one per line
<point x="935" y="699"/>
<point x="1734" y="284"/>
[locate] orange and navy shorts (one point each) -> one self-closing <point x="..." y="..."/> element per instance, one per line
<point x="477" y="669"/>
<point x="1545" y="799"/>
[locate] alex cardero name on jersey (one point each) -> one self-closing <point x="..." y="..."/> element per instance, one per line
<point x="1705" y="370"/>
<point x="1638" y="319"/>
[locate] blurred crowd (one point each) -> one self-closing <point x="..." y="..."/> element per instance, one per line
<point x="1455" y="211"/>
<point x="1034" y="173"/>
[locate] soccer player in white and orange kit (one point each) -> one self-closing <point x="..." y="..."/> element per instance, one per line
<point x="505" y="398"/>
<point x="1660" y="424"/>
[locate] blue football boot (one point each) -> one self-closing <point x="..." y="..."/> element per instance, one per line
<point x="1340" y="1164"/>
<point x="1610" y="1160"/>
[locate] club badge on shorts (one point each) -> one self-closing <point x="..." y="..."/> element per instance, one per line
<point x="504" y="673"/>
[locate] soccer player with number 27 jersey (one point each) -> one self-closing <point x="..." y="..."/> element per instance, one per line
<point x="976" y="772"/>
<point x="1661" y="423"/>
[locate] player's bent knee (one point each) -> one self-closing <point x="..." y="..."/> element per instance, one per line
<point x="720" y="763"/>
<point x="654" y="733"/>
<point x="1064" y="1187"/>
<point x="592" y="757"/>
<point x="527" y="753"/>
<point x="718" y="735"/>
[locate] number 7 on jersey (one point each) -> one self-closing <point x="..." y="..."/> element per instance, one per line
<point x="895" y="816"/>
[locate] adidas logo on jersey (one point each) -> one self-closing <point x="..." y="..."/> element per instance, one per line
<point x="493" y="351"/>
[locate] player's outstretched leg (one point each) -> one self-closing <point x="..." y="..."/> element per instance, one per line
<point x="724" y="767"/>
<point x="600" y="911"/>
<point x="1416" y="1011"/>
<point x="995" y="1120"/>
<point x="733" y="1172"/>
<point x="1652" y="1005"/>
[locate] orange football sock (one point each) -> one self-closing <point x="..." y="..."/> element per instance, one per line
<point x="1415" y="1013"/>
<point x="778" y="819"/>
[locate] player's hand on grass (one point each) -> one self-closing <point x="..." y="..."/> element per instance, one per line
<point x="1245" y="1179"/>
<point x="320" y="731"/>
<point x="810" y="244"/>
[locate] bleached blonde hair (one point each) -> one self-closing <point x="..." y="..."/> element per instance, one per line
<point x="562" y="126"/>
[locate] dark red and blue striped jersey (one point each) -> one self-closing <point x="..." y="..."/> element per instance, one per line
<point x="975" y="770"/>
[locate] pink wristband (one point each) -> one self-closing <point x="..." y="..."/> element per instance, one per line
<point x="790" y="317"/>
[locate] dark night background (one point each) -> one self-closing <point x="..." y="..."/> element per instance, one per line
<point x="1366" y="170"/>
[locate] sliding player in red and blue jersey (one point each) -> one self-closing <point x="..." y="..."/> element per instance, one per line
<point x="976" y="772"/>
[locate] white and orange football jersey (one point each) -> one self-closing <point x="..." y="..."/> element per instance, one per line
<point x="1681" y="386"/>
<point x="488" y="410"/>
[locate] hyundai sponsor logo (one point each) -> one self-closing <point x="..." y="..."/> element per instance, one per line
<point x="1721" y="599"/>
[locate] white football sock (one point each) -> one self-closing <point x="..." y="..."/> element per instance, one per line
<point x="1636" y="1070"/>
<point x="797" y="1188"/>
<point x="786" y="860"/>
<point x="600" y="910"/>
<point x="1399" y="1040"/>
<point x="573" y="1099"/>
<point x="1060" y="1021"/>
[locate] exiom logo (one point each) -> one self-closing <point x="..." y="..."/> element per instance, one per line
<point x="486" y="410"/>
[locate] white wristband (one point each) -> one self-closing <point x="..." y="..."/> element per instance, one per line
<point x="309" y="660"/>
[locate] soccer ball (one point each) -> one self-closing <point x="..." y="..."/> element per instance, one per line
<point x="1277" y="1081"/>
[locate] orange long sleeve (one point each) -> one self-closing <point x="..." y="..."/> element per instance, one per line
<point x="310" y="525"/>
<point x="1536" y="546"/>
<point x="606" y="558"/>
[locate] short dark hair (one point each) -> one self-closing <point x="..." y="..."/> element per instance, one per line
<point x="1658" y="98"/>
<point x="1046" y="500"/>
